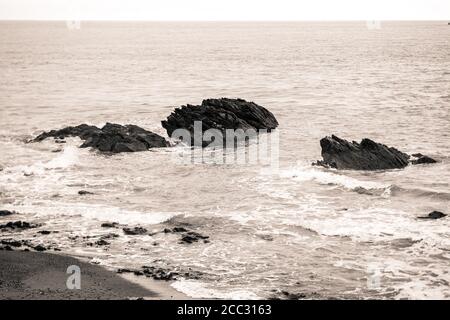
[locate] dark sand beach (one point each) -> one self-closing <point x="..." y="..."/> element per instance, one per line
<point x="42" y="276"/>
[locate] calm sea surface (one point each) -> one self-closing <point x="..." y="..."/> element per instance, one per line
<point x="305" y="230"/>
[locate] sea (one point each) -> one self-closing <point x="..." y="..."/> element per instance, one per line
<point x="297" y="230"/>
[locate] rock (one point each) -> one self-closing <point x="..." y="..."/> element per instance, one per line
<point x="18" y="225"/>
<point x="40" y="248"/>
<point x="266" y="237"/>
<point x="124" y="271"/>
<point x="179" y="229"/>
<point x="220" y="114"/>
<point x="421" y="159"/>
<point x="84" y="192"/>
<point x="12" y="243"/>
<point x="109" y="225"/>
<point x="191" y="237"/>
<point x="368" y="155"/>
<point x="135" y="231"/>
<point x="4" y="213"/>
<point x="159" y="274"/>
<point x="109" y="236"/>
<point x="113" y="138"/>
<point x="102" y="242"/>
<point x="44" y="232"/>
<point x="433" y="215"/>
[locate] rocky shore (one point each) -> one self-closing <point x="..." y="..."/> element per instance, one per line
<point x="43" y="276"/>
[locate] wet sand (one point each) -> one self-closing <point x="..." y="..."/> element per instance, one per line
<point x="42" y="276"/>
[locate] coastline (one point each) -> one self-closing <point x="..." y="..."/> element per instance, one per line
<point x="43" y="276"/>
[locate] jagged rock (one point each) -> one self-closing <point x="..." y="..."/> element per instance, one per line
<point x="179" y="229"/>
<point x="84" y="192"/>
<point x="4" y="213"/>
<point x="40" y="248"/>
<point x="191" y="237"/>
<point x="109" y="236"/>
<point x="434" y="215"/>
<point x="102" y="242"/>
<point x="19" y="225"/>
<point x="111" y="138"/>
<point x="220" y="114"/>
<point x="368" y="155"/>
<point x="12" y="243"/>
<point x="422" y="159"/>
<point x="109" y="225"/>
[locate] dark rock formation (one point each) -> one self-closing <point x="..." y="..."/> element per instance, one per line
<point x="113" y="138"/>
<point x="159" y="273"/>
<point x="40" y="248"/>
<point x="12" y="243"/>
<point x="102" y="242"/>
<point x="4" y="213"/>
<point x="421" y="159"/>
<point x="18" y="225"/>
<point x="220" y="114"/>
<point x="368" y="155"/>
<point x="135" y="231"/>
<point x="84" y="192"/>
<point x="176" y="229"/>
<point x="434" y="215"/>
<point x="109" y="225"/>
<point x="191" y="237"/>
<point x="44" y="232"/>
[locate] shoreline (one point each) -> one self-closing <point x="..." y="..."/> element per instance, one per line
<point x="43" y="276"/>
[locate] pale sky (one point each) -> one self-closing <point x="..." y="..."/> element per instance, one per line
<point x="225" y="10"/>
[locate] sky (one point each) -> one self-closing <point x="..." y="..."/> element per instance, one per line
<point x="212" y="10"/>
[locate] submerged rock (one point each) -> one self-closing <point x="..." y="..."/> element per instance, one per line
<point x="434" y="215"/>
<point x="367" y="155"/>
<point x="220" y="114"/>
<point x="421" y="159"/>
<point x="191" y="237"/>
<point x="18" y="225"/>
<point x="4" y="213"/>
<point x="109" y="225"/>
<point x="84" y="192"/>
<point x="111" y="138"/>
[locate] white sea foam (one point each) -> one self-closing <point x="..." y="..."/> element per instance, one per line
<point x="68" y="158"/>
<point x="96" y="212"/>
<point x="198" y="290"/>
<point x="327" y="177"/>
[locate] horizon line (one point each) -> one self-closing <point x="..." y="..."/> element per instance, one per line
<point x="238" y="20"/>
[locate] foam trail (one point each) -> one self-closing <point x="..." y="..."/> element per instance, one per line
<point x="67" y="158"/>
<point x="330" y="178"/>
<point x="96" y="212"/>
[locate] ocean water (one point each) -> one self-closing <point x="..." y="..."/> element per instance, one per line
<point x="302" y="229"/>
